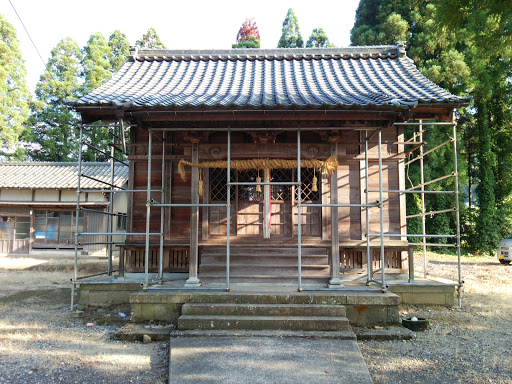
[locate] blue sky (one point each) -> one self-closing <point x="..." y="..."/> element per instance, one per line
<point x="192" y="24"/>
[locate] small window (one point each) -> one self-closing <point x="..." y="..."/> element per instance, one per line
<point x="121" y="221"/>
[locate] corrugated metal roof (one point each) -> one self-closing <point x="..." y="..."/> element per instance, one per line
<point x="28" y="175"/>
<point x="353" y="77"/>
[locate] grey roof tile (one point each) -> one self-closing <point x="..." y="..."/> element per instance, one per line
<point x="33" y="175"/>
<point x="353" y="77"/>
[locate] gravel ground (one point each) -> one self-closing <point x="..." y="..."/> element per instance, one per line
<point x="463" y="345"/>
<point x="41" y="341"/>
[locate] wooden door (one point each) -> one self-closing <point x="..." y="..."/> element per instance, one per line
<point x="248" y="205"/>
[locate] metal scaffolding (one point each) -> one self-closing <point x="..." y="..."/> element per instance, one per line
<point x="194" y="205"/>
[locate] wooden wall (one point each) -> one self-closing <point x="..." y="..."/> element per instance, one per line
<point x="351" y="180"/>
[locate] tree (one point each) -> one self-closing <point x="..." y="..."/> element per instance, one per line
<point x="14" y="95"/>
<point x="98" y="69"/>
<point x="464" y="46"/>
<point x="120" y="48"/>
<point x="248" y="35"/>
<point x="150" y="40"/>
<point x="496" y="15"/>
<point x="291" y="37"/>
<point x="97" y="59"/>
<point x="318" y="39"/>
<point x="53" y="124"/>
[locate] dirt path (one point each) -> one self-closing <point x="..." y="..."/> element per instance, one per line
<point x="41" y="341"/>
<point x="468" y="345"/>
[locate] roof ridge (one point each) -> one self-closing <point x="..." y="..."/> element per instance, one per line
<point x="366" y="51"/>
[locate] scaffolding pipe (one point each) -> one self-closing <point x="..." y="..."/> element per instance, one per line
<point x="457" y="208"/>
<point x="117" y="190"/>
<point x="162" y="221"/>
<point x="101" y="212"/>
<point x="228" y="210"/>
<point x="381" y="208"/>
<point x="110" y="219"/>
<point x="119" y="233"/>
<point x="148" y="210"/>
<point x="340" y="205"/>
<point x="431" y="181"/>
<point x="411" y="235"/>
<point x="367" y="196"/>
<point x="299" y="215"/>
<point x="431" y="213"/>
<point x="100" y="181"/>
<point x="111" y="156"/>
<point x="266" y="183"/>
<point x="422" y="189"/>
<point x="420" y="123"/>
<point x="77" y="221"/>
<point x="436" y="245"/>
<point x="408" y="191"/>
<point x="187" y="205"/>
<point x="421" y="156"/>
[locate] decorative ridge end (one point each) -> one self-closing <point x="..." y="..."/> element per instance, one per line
<point x="400" y="48"/>
<point x="134" y="52"/>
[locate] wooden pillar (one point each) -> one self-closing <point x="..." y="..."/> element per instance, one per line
<point x="335" y="281"/>
<point x="193" y="280"/>
<point x="266" y="204"/>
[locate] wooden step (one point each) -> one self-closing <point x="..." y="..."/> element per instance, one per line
<point x="263" y="249"/>
<point x="264" y="259"/>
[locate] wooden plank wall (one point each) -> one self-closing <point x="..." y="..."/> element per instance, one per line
<point x="350" y="180"/>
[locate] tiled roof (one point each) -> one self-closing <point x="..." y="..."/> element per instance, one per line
<point x="27" y="175"/>
<point x="353" y="77"/>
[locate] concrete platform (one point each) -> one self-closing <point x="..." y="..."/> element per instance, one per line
<point x="265" y="360"/>
<point x="364" y="307"/>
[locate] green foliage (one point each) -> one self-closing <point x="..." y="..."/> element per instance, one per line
<point x="318" y="39"/>
<point x="150" y="40"/>
<point x="291" y="37"/>
<point x="97" y="59"/>
<point x="53" y="124"/>
<point x="120" y="48"/>
<point x="14" y="95"/>
<point x="252" y="42"/>
<point x="464" y="46"/>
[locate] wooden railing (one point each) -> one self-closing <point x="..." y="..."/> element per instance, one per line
<point x="354" y="259"/>
<point x="132" y="259"/>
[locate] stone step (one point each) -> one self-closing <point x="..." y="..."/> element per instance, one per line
<point x="333" y="335"/>
<point x="293" y="323"/>
<point x="232" y="309"/>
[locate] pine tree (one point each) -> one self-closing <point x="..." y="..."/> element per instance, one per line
<point x="14" y="95"/>
<point x="53" y="124"/>
<point x="318" y="39"/>
<point x="150" y="40"/>
<point x="291" y="37"/>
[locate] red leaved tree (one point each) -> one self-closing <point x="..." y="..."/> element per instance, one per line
<point x="248" y="29"/>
